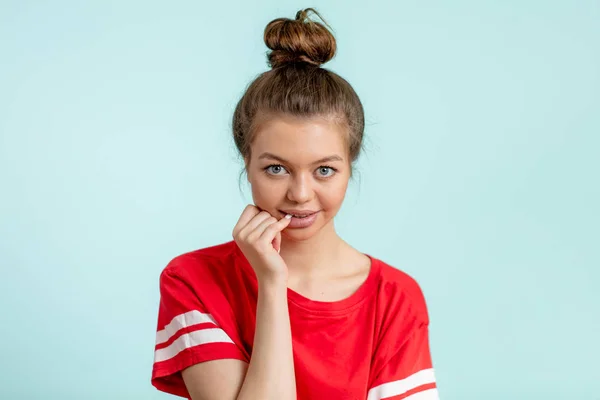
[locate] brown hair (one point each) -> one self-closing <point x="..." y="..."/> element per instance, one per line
<point x="297" y="84"/>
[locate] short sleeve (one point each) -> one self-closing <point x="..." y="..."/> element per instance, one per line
<point x="187" y="334"/>
<point x="408" y="374"/>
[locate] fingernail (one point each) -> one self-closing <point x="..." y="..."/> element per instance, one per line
<point x="288" y="216"/>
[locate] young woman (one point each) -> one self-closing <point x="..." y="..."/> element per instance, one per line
<point x="288" y="309"/>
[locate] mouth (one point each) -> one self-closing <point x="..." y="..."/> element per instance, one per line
<point x="301" y="219"/>
<point x="298" y="214"/>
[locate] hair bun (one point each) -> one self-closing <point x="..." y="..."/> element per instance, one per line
<point x="299" y="40"/>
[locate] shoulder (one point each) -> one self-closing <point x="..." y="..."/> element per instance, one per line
<point x="402" y="294"/>
<point x="201" y="262"/>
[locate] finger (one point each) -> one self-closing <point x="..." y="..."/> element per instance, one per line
<point x="277" y="242"/>
<point x="249" y="212"/>
<point x="255" y="222"/>
<point x="272" y="230"/>
<point x="260" y="228"/>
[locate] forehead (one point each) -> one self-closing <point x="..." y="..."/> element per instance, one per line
<point x="300" y="139"/>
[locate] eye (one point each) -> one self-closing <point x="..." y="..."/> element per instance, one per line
<point x="326" y="172"/>
<point x="274" y="169"/>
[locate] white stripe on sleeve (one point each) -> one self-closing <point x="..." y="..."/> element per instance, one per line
<point x="182" y="321"/>
<point x="429" y="394"/>
<point x="191" y="339"/>
<point x="402" y="386"/>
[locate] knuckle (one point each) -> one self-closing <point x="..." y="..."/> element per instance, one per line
<point x="242" y="236"/>
<point x="251" y="238"/>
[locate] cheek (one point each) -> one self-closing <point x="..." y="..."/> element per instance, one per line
<point x="264" y="192"/>
<point x="333" y="196"/>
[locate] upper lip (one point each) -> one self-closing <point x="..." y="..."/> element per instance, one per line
<point x="298" y="212"/>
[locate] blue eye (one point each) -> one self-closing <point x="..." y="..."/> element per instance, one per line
<point x="279" y="170"/>
<point x="274" y="169"/>
<point x="326" y="172"/>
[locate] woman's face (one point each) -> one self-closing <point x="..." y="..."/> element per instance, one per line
<point x="299" y="165"/>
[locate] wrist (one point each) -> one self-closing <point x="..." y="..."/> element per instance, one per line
<point x="273" y="282"/>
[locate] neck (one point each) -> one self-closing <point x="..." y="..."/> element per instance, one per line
<point x="315" y="256"/>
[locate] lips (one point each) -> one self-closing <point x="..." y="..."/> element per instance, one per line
<point x="299" y="213"/>
<point x="301" y="218"/>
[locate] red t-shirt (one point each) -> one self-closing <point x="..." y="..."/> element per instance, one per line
<point x="372" y="345"/>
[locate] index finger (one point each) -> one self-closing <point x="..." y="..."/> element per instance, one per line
<point x="282" y="223"/>
<point x="270" y="233"/>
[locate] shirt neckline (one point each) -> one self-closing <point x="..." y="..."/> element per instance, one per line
<point x="302" y="303"/>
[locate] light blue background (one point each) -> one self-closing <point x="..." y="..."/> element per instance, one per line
<point x="480" y="179"/>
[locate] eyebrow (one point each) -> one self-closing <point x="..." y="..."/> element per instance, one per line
<point x="322" y="160"/>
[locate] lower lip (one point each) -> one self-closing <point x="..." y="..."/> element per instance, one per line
<point x="303" y="222"/>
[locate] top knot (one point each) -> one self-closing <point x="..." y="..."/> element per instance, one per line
<point x="299" y="40"/>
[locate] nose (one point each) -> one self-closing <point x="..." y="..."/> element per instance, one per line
<point x="300" y="188"/>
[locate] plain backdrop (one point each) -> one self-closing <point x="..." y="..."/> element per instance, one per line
<point x="480" y="179"/>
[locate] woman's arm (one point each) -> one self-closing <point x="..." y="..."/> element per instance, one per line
<point x="270" y="374"/>
<point x="271" y="370"/>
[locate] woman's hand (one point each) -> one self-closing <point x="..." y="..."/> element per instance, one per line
<point x="258" y="235"/>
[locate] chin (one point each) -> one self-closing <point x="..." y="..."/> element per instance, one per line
<point x="299" y="235"/>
